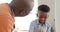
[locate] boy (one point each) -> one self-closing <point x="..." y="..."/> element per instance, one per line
<point x="40" y="24"/>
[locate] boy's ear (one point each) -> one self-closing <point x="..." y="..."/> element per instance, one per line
<point x="48" y="16"/>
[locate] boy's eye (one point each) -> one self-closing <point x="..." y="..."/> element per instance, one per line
<point x="43" y="17"/>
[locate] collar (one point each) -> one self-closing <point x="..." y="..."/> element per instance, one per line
<point x="40" y="23"/>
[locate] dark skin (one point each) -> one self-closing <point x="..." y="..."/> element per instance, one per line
<point x="22" y="7"/>
<point x="42" y="17"/>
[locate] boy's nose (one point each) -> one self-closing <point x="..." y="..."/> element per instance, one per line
<point x="43" y="19"/>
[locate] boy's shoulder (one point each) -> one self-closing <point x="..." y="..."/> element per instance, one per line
<point x="48" y="24"/>
<point x="34" y="21"/>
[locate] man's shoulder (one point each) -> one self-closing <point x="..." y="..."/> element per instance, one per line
<point x="4" y="8"/>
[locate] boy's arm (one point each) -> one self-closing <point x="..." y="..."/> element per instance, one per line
<point x="49" y="29"/>
<point x="31" y="27"/>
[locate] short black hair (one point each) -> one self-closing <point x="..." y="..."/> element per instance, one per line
<point x="44" y="8"/>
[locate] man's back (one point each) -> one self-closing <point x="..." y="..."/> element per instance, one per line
<point x="6" y="20"/>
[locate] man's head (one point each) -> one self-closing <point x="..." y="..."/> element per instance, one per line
<point x="23" y="7"/>
<point x="43" y="13"/>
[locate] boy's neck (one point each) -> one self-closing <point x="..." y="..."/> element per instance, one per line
<point x="41" y="23"/>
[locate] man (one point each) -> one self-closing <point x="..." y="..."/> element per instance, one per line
<point x="9" y="11"/>
<point x="6" y="20"/>
<point x="40" y="24"/>
<point x="22" y="7"/>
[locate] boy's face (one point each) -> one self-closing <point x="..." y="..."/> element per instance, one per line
<point x="42" y="17"/>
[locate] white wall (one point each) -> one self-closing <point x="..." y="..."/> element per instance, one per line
<point x="57" y="15"/>
<point x="23" y="23"/>
<point x="51" y="4"/>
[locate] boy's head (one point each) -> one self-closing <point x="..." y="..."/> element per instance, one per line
<point x="43" y="13"/>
